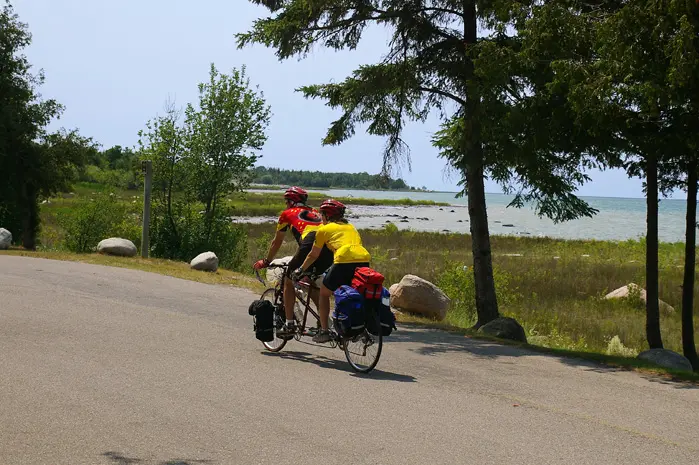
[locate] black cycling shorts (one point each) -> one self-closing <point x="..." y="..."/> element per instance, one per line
<point x="322" y="263"/>
<point x="341" y="273"/>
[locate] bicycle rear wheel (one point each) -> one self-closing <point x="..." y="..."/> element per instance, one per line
<point x="276" y="344"/>
<point x="363" y="351"/>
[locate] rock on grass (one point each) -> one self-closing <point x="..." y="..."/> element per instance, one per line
<point x="418" y="296"/>
<point x="117" y="246"/>
<point x="207" y="261"/>
<point x="666" y="358"/>
<point x="5" y="239"/>
<point x="504" y="328"/>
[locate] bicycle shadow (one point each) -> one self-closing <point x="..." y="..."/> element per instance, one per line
<point x="341" y="365"/>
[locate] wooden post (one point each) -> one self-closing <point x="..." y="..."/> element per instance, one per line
<point x="147" y="167"/>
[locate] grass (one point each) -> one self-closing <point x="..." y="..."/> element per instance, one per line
<point x="271" y="204"/>
<point x="553" y="287"/>
<point x="154" y="265"/>
<point x="225" y="277"/>
<point x="558" y="301"/>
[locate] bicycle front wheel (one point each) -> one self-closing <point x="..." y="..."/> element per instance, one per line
<point x="276" y="344"/>
<point x="363" y="351"/>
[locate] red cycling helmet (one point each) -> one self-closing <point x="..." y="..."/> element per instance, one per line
<point x="332" y="208"/>
<point x="296" y="195"/>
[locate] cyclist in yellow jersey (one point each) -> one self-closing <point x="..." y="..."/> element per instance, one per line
<point x="342" y="238"/>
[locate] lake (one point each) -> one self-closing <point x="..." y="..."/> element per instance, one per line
<point x="618" y="218"/>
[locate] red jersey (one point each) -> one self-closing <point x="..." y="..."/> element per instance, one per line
<point x="301" y="220"/>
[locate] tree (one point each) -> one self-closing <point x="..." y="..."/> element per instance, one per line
<point x="32" y="163"/>
<point x="199" y="161"/>
<point x="437" y="63"/>
<point x="634" y="81"/>
<point x="688" y="345"/>
<point x="163" y="143"/>
<point x="223" y="136"/>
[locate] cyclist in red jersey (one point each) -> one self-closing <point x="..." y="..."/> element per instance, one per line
<point x="303" y="222"/>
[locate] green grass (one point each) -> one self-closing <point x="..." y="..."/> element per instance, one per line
<point x="226" y="277"/>
<point x="559" y="301"/>
<point x="554" y="289"/>
<point x="272" y="204"/>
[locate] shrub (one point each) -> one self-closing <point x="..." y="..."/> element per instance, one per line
<point x="616" y="347"/>
<point x="189" y="233"/>
<point x="95" y="219"/>
<point x="457" y="282"/>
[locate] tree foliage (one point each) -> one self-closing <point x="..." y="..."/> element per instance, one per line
<point x="318" y="179"/>
<point x="223" y="136"/>
<point x="197" y="161"/>
<point x="33" y="163"/>
<point x="501" y="119"/>
<point x="632" y="79"/>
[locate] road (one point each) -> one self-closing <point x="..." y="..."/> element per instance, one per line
<point x="107" y="366"/>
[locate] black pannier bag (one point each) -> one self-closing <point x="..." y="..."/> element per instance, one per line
<point x="262" y="312"/>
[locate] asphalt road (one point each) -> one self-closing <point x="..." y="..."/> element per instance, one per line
<point x="104" y="365"/>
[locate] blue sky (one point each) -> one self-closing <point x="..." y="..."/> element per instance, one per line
<point x="114" y="64"/>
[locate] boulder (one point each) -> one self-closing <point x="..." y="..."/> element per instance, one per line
<point x="625" y="291"/>
<point x="5" y="239"/>
<point x="504" y="328"/>
<point x="275" y="275"/>
<point x="666" y="358"/>
<point x="207" y="261"/>
<point x="416" y="295"/>
<point x="117" y="246"/>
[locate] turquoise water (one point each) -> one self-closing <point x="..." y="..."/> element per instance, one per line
<point x="618" y="218"/>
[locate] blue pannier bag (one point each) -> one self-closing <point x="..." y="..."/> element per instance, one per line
<point x="387" y="319"/>
<point x="348" y="317"/>
<point x="386" y="316"/>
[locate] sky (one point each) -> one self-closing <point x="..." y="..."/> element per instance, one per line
<point x="115" y="64"/>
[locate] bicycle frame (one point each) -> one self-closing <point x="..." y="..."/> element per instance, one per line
<point x="336" y="340"/>
<point x="279" y="297"/>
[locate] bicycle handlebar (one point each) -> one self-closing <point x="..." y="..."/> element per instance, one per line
<point x="284" y="265"/>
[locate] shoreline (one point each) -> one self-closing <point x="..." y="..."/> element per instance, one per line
<point x="519" y="223"/>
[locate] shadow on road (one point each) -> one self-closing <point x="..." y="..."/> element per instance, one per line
<point x="116" y="458"/>
<point x="341" y="365"/>
<point x="431" y="342"/>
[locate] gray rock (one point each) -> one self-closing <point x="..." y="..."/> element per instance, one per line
<point x="117" y="246"/>
<point x="666" y="358"/>
<point x="5" y="239"/>
<point x="419" y="296"/>
<point x="504" y="328"/>
<point x="207" y="261"/>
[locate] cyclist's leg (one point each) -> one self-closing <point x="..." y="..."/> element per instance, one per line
<point x="289" y="292"/>
<point x="297" y="260"/>
<point x="338" y="274"/>
<point x="320" y="266"/>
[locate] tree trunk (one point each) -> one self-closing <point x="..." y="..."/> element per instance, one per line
<point x="688" y="347"/>
<point x="653" y="336"/>
<point x="28" y="206"/>
<point x="486" y="300"/>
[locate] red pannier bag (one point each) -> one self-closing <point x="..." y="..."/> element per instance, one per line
<point x="368" y="282"/>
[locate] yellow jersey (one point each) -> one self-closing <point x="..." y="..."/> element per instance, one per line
<point x="344" y="241"/>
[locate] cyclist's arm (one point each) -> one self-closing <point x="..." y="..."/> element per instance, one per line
<point x="275" y="245"/>
<point x="311" y="257"/>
